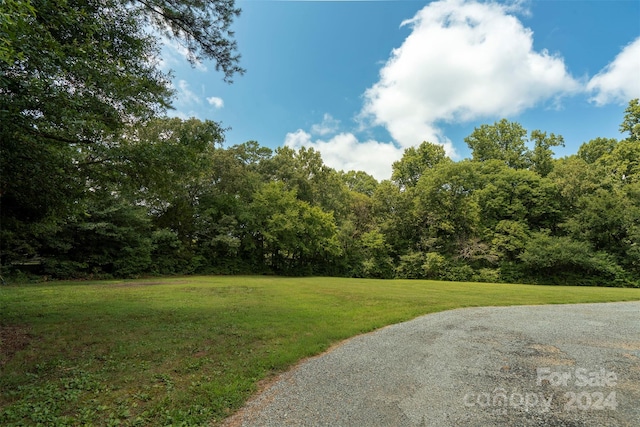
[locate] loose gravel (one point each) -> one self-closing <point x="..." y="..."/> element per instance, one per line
<point x="558" y="365"/>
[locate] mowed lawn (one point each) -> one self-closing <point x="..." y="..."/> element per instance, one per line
<point x="191" y="350"/>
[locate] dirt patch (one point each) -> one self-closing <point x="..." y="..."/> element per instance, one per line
<point x="545" y="348"/>
<point x="12" y="340"/>
<point x="548" y="355"/>
<point x="617" y="345"/>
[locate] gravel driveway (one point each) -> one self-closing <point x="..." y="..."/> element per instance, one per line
<point x="559" y="365"/>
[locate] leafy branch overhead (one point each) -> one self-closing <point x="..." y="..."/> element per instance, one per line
<point x="76" y="71"/>
<point x="202" y="27"/>
<point x="76" y="76"/>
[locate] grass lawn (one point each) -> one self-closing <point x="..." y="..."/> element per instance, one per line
<point x="191" y="350"/>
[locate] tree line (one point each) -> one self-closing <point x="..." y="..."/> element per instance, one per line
<point x="165" y="197"/>
<point x="96" y="181"/>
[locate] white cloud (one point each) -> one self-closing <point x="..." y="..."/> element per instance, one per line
<point x="328" y="125"/>
<point x="186" y="101"/>
<point x="463" y="60"/>
<point x="215" y="101"/>
<point x="620" y="80"/>
<point x="185" y="95"/>
<point x="182" y="114"/>
<point x="175" y="54"/>
<point x="345" y="152"/>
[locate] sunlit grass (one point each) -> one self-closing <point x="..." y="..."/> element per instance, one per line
<point x="189" y="351"/>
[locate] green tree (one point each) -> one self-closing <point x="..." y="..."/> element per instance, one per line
<point x="161" y="159"/>
<point x="591" y="151"/>
<point x="542" y="154"/>
<point x="562" y="260"/>
<point x="446" y="205"/>
<point x="416" y="161"/>
<point x="224" y="215"/>
<point x="420" y="265"/>
<point x="516" y="195"/>
<point x="360" y="182"/>
<point x="110" y="238"/>
<point x="305" y="172"/>
<point x="622" y="165"/>
<point x="74" y="75"/>
<point x="293" y="236"/>
<point x="360" y="220"/>
<point x="631" y="122"/>
<point x="14" y="20"/>
<point x="376" y="262"/>
<point x="509" y="239"/>
<point x="574" y="177"/>
<point x="503" y="140"/>
<point x="165" y="165"/>
<point x="607" y="220"/>
<point x="393" y="211"/>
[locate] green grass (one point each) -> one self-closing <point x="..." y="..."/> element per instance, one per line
<point x="190" y="351"/>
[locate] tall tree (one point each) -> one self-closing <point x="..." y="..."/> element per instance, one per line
<point x="73" y="75"/>
<point x="415" y="161"/>
<point x="596" y="148"/>
<point x="446" y="203"/>
<point x="293" y="235"/>
<point x="360" y="182"/>
<point x="631" y="122"/>
<point x="305" y="172"/>
<point x="504" y="140"/>
<point x="542" y="154"/>
<point x="516" y="195"/>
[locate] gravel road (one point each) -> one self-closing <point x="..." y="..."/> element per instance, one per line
<point x="560" y="365"/>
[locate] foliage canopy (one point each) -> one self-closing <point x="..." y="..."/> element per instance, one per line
<point x="96" y="181"/>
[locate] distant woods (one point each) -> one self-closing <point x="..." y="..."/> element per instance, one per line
<point x="164" y="197"/>
<point x="96" y="181"/>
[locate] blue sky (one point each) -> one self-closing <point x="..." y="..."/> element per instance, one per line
<point x="360" y="81"/>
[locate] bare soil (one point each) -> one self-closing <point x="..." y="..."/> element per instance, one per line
<point x="13" y="338"/>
